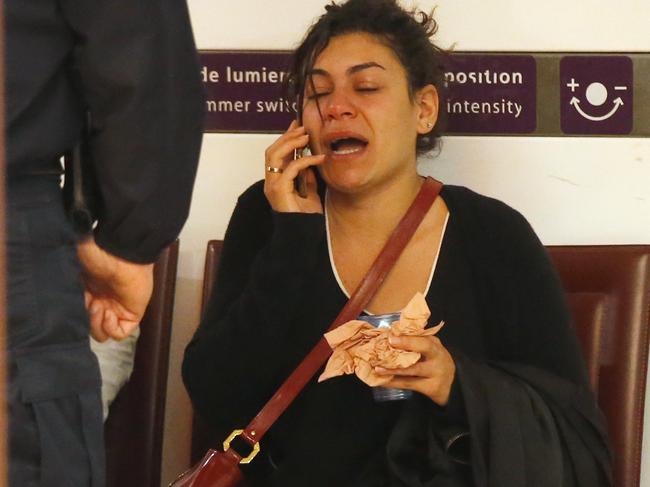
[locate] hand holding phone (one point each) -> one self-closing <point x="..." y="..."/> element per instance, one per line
<point x="283" y="168"/>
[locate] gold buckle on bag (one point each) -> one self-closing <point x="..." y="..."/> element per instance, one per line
<point x="235" y="434"/>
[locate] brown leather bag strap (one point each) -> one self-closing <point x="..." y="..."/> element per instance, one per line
<point x="396" y="243"/>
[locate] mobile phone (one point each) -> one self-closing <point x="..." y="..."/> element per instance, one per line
<point x="301" y="179"/>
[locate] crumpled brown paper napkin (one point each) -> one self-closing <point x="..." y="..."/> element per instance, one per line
<point x="359" y="347"/>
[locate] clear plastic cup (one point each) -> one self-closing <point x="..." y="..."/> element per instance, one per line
<point x="383" y="394"/>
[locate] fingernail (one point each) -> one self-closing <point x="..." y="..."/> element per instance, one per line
<point x="394" y="340"/>
<point x="380" y="370"/>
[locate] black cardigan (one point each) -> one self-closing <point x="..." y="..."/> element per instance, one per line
<point x="520" y="402"/>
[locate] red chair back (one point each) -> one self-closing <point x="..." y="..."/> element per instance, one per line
<point x="135" y="425"/>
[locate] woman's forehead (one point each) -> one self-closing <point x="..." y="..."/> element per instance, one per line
<point x="345" y="52"/>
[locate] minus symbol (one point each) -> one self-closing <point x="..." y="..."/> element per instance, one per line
<point x="620" y="88"/>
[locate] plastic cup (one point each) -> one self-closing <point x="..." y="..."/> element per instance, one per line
<point x="383" y="394"/>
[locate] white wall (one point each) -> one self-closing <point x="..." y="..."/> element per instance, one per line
<point x="573" y="190"/>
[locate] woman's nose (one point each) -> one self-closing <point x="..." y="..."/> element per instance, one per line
<point x="339" y="106"/>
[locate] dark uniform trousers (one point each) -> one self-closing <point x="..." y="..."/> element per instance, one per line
<point x="55" y="418"/>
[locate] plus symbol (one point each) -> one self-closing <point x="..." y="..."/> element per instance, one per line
<point x="573" y="85"/>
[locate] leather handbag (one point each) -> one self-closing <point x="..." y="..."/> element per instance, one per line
<point x="221" y="468"/>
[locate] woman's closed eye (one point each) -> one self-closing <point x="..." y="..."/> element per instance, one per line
<point x="367" y="89"/>
<point x="317" y="94"/>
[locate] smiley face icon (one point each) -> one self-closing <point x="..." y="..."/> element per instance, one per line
<point x="596" y="94"/>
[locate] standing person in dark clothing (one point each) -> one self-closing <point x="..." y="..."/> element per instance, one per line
<point x="132" y="66"/>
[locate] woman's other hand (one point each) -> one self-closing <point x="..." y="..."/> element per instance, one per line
<point x="281" y="171"/>
<point x="432" y="376"/>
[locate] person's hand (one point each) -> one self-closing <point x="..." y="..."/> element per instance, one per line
<point x="279" y="186"/>
<point x="432" y="376"/>
<point x="116" y="291"/>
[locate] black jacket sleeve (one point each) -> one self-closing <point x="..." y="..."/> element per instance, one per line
<point x="530" y="427"/>
<point x="235" y="361"/>
<point x="137" y="67"/>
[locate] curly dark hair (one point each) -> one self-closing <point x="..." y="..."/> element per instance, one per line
<point x="407" y="33"/>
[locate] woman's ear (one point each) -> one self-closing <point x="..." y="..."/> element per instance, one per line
<point x="427" y="102"/>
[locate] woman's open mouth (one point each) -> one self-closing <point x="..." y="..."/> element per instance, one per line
<point x="344" y="146"/>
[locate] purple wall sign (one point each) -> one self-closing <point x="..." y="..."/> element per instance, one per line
<point x="596" y="94"/>
<point x="491" y="94"/>
<point x="244" y="91"/>
<point x="486" y="93"/>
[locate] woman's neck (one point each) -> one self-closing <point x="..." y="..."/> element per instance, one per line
<point x="374" y="213"/>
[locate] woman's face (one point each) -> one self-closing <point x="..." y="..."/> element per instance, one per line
<point x="367" y="124"/>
